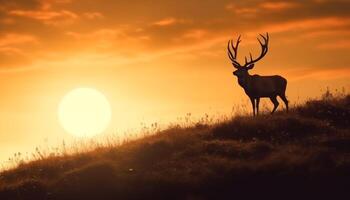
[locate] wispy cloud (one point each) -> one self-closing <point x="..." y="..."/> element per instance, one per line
<point x="165" y="22"/>
<point x="278" y="6"/>
<point x="47" y="16"/>
<point x="93" y="15"/>
<point x="110" y="38"/>
<point x="242" y="10"/>
<point x="254" y="9"/>
<point x="195" y="34"/>
<point x="329" y="33"/>
<point x="13" y="39"/>
<point x="14" y="49"/>
<point x="10" y="51"/>
<point x="307" y="24"/>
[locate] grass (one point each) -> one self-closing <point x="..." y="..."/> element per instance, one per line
<point x="302" y="154"/>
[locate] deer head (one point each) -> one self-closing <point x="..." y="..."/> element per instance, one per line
<point x="242" y="70"/>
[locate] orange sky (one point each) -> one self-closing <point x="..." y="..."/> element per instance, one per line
<point x="157" y="60"/>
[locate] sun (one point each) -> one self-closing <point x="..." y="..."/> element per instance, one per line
<point x="84" y="112"/>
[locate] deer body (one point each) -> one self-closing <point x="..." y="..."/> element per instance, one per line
<point x="256" y="86"/>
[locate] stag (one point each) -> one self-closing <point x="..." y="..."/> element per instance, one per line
<point x="256" y="86"/>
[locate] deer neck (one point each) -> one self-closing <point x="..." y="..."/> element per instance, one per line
<point x="243" y="81"/>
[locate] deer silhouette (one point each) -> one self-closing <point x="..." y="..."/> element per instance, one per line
<point x="256" y="86"/>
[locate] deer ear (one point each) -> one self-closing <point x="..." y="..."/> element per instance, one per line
<point x="251" y="66"/>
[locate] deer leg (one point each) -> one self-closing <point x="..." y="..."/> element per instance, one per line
<point x="257" y="105"/>
<point x="284" y="99"/>
<point x="275" y="103"/>
<point x="253" y="104"/>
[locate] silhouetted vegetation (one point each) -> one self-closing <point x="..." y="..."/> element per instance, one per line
<point x="303" y="154"/>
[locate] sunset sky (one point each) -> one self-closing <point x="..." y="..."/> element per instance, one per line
<point x="156" y="60"/>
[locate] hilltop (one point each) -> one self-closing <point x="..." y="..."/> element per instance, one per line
<point x="301" y="154"/>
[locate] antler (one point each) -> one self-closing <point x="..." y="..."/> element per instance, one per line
<point x="233" y="56"/>
<point x="264" y="49"/>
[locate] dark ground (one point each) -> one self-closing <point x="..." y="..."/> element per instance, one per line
<point x="304" y="154"/>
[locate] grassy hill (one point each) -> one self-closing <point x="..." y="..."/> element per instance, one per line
<point x="304" y="154"/>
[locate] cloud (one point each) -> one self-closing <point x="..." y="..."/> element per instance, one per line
<point x="13" y="39"/>
<point x="278" y="6"/>
<point x="23" y="4"/>
<point x="103" y="34"/>
<point x="272" y="11"/>
<point x="13" y="50"/>
<point x="119" y="26"/>
<point x="165" y="22"/>
<point x="343" y="32"/>
<point x="195" y="34"/>
<point x="40" y="10"/>
<point x="93" y="15"/>
<point x="255" y="9"/>
<point x="30" y="4"/>
<point x="9" y="51"/>
<point x="307" y="24"/>
<point x="113" y="39"/>
<point x="47" y="16"/>
<point x="241" y="10"/>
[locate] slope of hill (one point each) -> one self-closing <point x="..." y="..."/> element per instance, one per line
<point x="302" y="154"/>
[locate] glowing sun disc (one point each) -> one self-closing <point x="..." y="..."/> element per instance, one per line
<point x="84" y="112"/>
